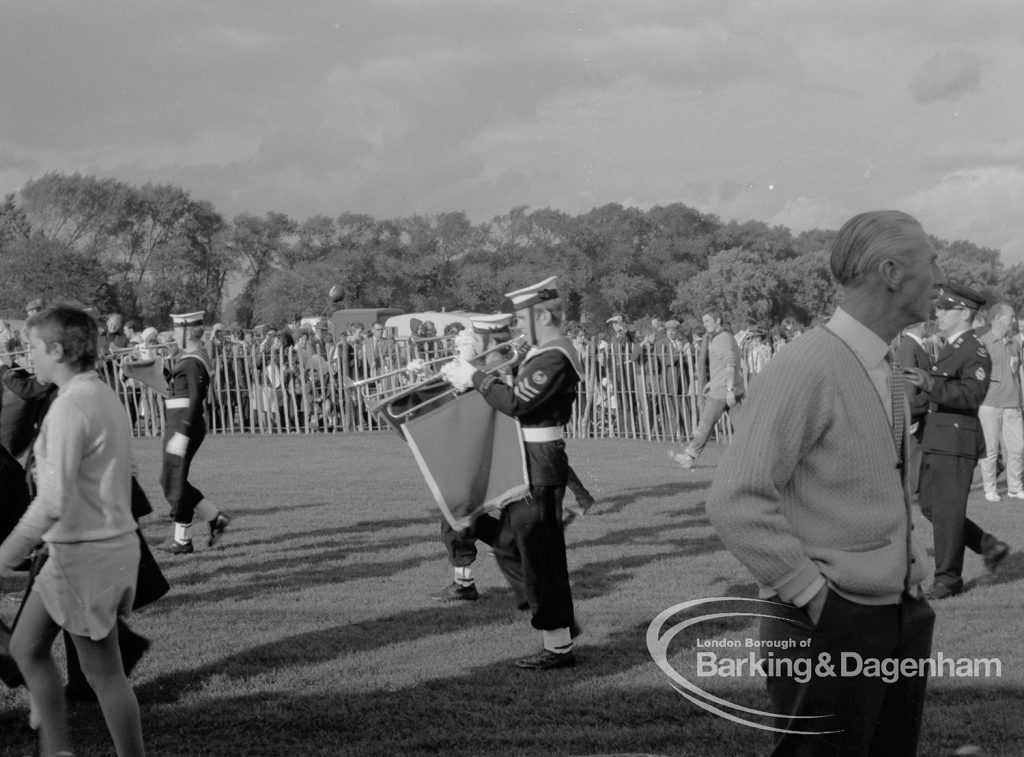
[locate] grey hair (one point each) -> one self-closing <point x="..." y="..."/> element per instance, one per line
<point x="1000" y="308"/>
<point x="867" y="239"/>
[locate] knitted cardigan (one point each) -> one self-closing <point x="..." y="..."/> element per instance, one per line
<point x="810" y="484"/>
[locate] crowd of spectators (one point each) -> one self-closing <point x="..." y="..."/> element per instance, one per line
<point x="645" y="377"/>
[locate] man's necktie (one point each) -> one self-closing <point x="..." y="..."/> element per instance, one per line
<point x="898" y="393"/>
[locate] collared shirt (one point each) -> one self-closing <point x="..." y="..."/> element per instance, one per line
<point x="1004" y="389"/>
<point x="870" y="350"/>
<point x="953" y="337"/>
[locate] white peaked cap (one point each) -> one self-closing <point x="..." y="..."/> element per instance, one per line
<point x="531" y="295"/>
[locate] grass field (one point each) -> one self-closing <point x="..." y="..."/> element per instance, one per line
<point x="311" y="632"/>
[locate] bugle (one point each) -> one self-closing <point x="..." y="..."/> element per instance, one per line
<point x="14" y="354"/>
<point x="401" y="402"/>
<point x="124" y="352"/>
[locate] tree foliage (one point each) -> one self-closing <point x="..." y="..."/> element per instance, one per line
<point x="150" y="250"/>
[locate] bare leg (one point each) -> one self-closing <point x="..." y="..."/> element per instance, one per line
<point x="101" y="663"/>
<point x="30" y="646"/>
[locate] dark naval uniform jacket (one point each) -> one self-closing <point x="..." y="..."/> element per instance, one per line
<point x="187" y="387"/>
<point x="910" y="354"/>
<point x="961" y="374"/>
<point x="541" y="398"/>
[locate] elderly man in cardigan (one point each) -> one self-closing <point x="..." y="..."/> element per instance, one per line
<point x="812" y="498"/>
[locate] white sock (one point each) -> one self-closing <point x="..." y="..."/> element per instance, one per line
<point x="558" y="641"/>
<point x="206" y="511"/>
<point x="182" y="532"/>
<point x="464" y="576"/>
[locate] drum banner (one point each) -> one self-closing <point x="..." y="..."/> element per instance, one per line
<point x="471" y="456"/>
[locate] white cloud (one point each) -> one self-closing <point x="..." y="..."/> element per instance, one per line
<point x="981" y="205"/>
<point x="394" y="107"/>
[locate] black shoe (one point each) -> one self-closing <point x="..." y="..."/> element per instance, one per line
<point x="546" y="660"/>
<point x="456" y="592"/>
<point x="994" y="552"/>
<point x="941" y="591"/>
<point x="575" y="630"/>
<point x="180" y="547"/>
<point x="217" y="527"/>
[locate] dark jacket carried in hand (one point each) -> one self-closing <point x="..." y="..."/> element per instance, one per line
<point x="25" y="403"/>
<point x="14" y="494"/>
<point x="910" y="354"/>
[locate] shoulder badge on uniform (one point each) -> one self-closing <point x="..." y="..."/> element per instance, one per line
<point x="982" y="352"/>
<point x="980" y="374"/>
<point x="539" y="378"/>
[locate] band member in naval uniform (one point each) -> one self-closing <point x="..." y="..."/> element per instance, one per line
<point x="184" y="432"/>
<point x="953" y="440"/>
<point x="528" y="540"/>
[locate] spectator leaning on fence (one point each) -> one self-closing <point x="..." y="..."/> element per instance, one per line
<point x="132" y="332"/>
<point x="113" y="338"/>
<point x="724" y="389"/>
<point x="758" y="352"/>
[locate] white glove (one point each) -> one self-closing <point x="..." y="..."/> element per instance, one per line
<point x="416" y="366"/>
<point x="465" y="345"/>
<point x="458" y="373"/>
<point x="178" y="444"/>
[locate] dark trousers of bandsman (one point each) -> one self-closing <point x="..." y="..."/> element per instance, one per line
<point x="529" y="546"/>
<point x="181" y="495"/>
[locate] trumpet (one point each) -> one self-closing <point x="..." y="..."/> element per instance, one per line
<point x="14" y="354"/>
<point x="120" y="353"/>
<point x="385" y="398"/>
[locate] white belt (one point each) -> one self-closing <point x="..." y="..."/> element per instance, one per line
<point x="176" y="402"/>
<point x="543" y="434"/>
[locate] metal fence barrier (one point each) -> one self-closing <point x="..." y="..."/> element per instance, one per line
<point x="651" y="392"/>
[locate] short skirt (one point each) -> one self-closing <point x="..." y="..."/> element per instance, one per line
<point x="85" y="586"/>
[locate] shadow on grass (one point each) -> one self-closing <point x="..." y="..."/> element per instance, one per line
<point x="270" y="578"/>
<point x="619" y="502"/>
<point x="454" y="716"/>
<point x="1011" y="569"/>
<point x="450" y="715"/>
<point x="260" y="511"/>
<point x="604" y="577"/>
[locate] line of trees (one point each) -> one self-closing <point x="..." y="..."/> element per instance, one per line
<point x="151" y="250"/>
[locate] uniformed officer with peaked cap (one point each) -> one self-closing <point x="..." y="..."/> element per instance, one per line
<point x="952" y="439"/>
<point x="184" y="431"/>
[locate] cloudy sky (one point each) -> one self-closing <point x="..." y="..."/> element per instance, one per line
<point x="796" y="113"/>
